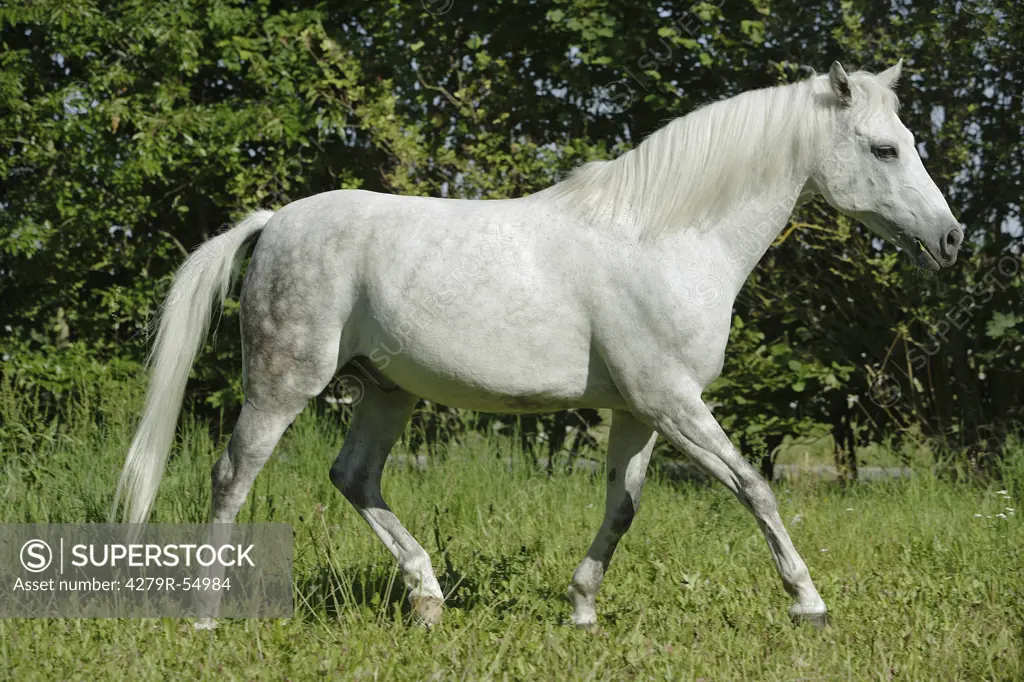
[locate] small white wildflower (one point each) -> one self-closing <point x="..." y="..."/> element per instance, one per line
<point x="977" y="516"/>
<point x="797" y="519"/>
<point x="849" y="509"/>
<point x="823" y="549"/>
<point x="1000" y="516"/>
<point x="590" y="506"/>
<point x="1001" y="492"/>
<point x="1010" y="509"/>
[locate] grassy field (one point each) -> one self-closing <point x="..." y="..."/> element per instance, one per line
<point x="920" y="587"/>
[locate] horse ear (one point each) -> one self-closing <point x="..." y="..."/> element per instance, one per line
<point x="840" y="83"/>
<point x="889" y="77"/>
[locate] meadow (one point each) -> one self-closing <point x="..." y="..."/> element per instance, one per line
<point x="923" y="576"/>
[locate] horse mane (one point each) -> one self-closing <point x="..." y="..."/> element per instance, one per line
<point x="688" y="172"/>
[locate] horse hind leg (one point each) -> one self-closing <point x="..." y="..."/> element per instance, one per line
<point x="253" y="440"/>
<point x="271" y="405"/>
<point x="290" y="353"/>
<point x="279" y="382"/>
<point x="377" y="424"/>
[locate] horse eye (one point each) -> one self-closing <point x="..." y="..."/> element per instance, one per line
<point x="885" y="152"/>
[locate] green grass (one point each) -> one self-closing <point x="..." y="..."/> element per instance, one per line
<point x="919" y="588"/>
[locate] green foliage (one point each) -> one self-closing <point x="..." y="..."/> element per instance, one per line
<point x="132" y="131"/>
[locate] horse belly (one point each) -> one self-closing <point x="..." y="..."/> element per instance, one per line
<point x="493" y="348"/>
<point x="509" y="382"/>
<point x="479" y="363"/>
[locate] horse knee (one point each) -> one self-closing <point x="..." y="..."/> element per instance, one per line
<point x="223" y="471"/>
<point x="760" y="498"/>
<point x="353" y="484"/>
<point x="342" y="479"/>
<point x="622" y="518"/>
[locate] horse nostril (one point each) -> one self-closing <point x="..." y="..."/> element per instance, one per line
<point x="954" y="238"/>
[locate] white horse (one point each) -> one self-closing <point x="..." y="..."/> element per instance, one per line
<point x="613" y="289"/>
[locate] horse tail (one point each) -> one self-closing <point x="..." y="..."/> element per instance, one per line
<point x="201" y="284"/>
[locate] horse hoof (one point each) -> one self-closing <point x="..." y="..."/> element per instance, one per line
<point x="426" y="611"/>
<point x="818" y="620"/>
<point x="587" y="622"/>
<point x="205" y="624"/>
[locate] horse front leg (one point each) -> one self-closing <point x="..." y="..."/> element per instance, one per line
<point x="377" y="424"/>
<point x="629" y="450"/>
<point x="681" y="416"/>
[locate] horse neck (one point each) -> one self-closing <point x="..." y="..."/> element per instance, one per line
<point x="732" y="244"/>
<point x="747" y="205"/>
<point x="746" y="233"/>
